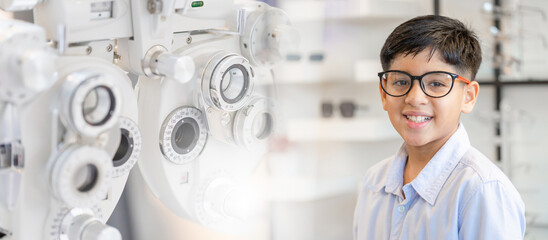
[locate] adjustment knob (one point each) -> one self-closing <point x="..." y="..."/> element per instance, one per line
<point x="83" y="226"/>
<point x="99" y="231"/>
<point x="176" y="67"/>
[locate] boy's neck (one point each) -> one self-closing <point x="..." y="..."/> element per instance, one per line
<point x="419" y="156"/>
<point x="416" y="161"/>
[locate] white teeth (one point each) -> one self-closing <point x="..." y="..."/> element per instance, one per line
<point x="418" y="119"/>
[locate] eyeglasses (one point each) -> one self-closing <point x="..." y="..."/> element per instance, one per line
<point x="434" y="84"/>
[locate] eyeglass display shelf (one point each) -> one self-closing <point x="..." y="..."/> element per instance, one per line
<point x="341" y="129"/>
<point x="305" y="189"/>
<point x="314" y="10"/>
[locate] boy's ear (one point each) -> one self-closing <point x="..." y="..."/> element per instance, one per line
<point x="470" y="97"/>
<point x="383" y="97"/>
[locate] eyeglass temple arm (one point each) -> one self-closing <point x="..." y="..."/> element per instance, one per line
<point x="463" y="79"/>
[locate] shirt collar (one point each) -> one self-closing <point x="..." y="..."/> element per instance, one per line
<point x="432" y="177"/>
<point x="394" y="176"/>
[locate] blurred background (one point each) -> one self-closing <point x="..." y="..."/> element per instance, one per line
<point x="331" y="127"/>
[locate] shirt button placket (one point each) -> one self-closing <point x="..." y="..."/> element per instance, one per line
<point x="399" y="215"/>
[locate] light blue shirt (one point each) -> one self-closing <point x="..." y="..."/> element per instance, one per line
<point x="459" y="194"/>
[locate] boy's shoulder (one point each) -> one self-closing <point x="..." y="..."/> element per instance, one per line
<point x="485" y="169"/>
<point x="477" y="174"/>
<point x="476" y="171"/>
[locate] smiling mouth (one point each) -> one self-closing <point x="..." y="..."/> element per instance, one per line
<point x="418" y="119"/>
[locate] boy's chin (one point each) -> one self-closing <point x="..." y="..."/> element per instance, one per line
<point x="413" y="140"/>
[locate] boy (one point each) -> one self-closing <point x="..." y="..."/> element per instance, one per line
<point x="437" y="186"/>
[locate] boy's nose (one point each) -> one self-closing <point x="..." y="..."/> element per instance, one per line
<point x="416" y="96"/>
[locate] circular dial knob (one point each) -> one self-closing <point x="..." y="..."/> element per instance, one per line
<point x="129" y="149"/>
<point x="81" y="224"/>
<point x="254" y="124"/>
<point x="183" y="135"/>
<point x="80" y="175"/>
<point x="90" y="103"/>
<point x="96" y="230"/>
<point x="268" y="36"/>
<point x="227" y="82"/>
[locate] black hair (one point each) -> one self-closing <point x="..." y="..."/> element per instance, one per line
<point x="456" y="44"/>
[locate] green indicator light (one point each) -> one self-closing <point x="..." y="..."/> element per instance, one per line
<point x="197" y="4"/>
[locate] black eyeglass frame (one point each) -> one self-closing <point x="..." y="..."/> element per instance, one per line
<point x="453" y="77"/>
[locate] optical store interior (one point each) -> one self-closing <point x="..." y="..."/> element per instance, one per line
<point x="230" y="119"/>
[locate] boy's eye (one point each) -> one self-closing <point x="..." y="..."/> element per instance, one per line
<point x="437" y="80"/>
<point x="402" y="82"/>
<point x="436" y="84"/>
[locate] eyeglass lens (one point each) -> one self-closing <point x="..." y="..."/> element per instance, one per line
<point x="433" y="84"/>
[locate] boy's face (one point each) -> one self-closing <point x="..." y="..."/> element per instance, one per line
<point x="442" y="113"/>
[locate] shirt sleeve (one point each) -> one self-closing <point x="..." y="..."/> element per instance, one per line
<point x="492" y="212"/>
